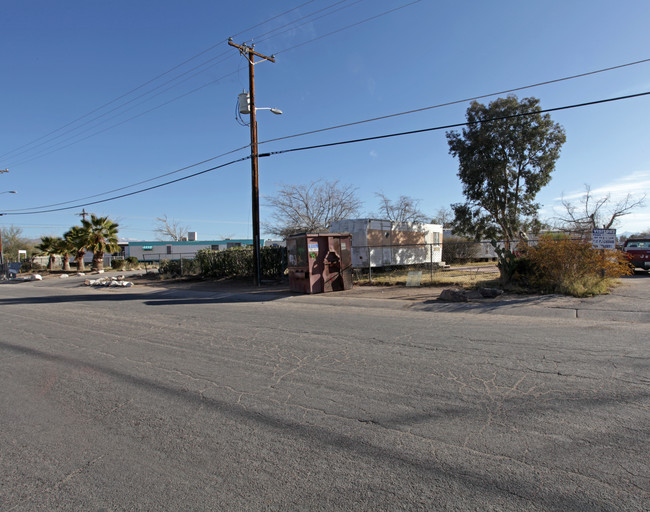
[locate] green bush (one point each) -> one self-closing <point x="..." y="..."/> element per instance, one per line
<point x="133" y="262"/>
<point x="177" y="268"/>
<point x="118" y="264"/>
<point x="29" y="266"/>
<point x="238" y="262"/>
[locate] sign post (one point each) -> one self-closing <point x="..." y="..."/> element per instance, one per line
<point x="603" y="239"/>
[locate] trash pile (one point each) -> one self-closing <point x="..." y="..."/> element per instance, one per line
<point x="109" y="281"/>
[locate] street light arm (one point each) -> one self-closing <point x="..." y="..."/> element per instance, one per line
<point x="273" y="110"/>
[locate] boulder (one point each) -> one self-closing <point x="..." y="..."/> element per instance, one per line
<point x="490" y="293"/>
<point x="453" y="295"/>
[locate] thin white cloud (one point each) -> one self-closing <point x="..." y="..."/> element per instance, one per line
<point x="636" y="183"/>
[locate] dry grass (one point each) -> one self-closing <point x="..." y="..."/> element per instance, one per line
<point x="464" y="277"/>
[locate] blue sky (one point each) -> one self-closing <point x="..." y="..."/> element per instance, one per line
<point x="72" y="129"/>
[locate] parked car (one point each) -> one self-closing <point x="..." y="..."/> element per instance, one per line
<point x="638" y="251"/>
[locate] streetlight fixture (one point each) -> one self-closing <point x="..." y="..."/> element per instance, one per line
<point x="9" y="192"/>
<point x="273" y="110"/>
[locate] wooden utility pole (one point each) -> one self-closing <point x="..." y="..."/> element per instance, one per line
<point x="82" y="214"/>
<point x="250" y="54"/>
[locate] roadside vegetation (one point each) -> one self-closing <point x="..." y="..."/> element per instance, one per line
<point x="559" y="264"/>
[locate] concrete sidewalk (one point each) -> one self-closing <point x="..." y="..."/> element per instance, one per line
<point x="629" y="302"/>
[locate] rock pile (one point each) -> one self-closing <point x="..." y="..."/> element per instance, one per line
<point x="114" y="281"/>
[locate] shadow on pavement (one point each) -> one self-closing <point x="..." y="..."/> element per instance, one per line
<point x="490" y="486"/>
<point x="162" y="298"/>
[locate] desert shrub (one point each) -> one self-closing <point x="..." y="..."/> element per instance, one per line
<point x="118" y="264"/>
<point x="132" y="262"/>
<point x="30" y="266"/>
<point x="572" y="267"/>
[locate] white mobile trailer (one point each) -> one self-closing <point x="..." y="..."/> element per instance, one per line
<point x="381" y="243"/>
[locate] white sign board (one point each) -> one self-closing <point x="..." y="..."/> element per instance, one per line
<point x="603" y="239"/>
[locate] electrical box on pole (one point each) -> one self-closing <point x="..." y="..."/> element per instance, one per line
<point x="244" y="103"/>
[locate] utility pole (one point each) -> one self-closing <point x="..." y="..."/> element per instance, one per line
<point x="250" y="54"/>
<point x="83" y="213"/>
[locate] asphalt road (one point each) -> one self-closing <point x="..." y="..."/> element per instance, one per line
<point x="147" y="399"/>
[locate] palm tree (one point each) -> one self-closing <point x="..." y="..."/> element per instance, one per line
<point x="77" y="238"/>
<point x="50" y="246"/>
<point x="101" y="237"/>
<point x="64" y="249"/>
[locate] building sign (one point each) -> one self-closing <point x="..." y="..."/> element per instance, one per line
<point x="603" y="239"/>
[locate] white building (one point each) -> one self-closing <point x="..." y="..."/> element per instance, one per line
<point x="380" y="243"/>
<point x="168" y="250"/>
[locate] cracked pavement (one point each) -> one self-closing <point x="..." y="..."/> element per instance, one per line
<point x="179" y="400"/>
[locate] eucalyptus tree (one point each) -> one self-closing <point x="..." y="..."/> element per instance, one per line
<point x="506" y="154"/>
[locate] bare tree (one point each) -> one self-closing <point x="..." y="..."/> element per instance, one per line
<point x="310" y="208"/>
<point x="444" y="216"/>
<point x="170" y="229"/>
<point x="405" y="209"/>
<point x="594" y="213"/>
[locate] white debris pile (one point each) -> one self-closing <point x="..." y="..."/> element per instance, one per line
<point x="115" y="281"/>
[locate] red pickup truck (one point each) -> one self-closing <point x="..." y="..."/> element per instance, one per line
<point x="638" y="250"/>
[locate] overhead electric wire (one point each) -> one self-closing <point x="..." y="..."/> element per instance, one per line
<point x="293" y="25"/>
<point x="126" y="120"/>
<point x="144" y="84"/>
<point x="226" y="54"/>
<point x="134" y="184"/>
<point x="456" y="102"/>
<point x="456" y="125"/>
<point x="56" y="147"/>
<point x="135" y="191"/>
<point x="389" y="11"/>
<point x="339" y="143"/>
<point x="610" y="68"/>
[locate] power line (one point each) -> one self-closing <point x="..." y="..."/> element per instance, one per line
<point x="389" y="11"/>
<point x="134" y="184"/>
<point x="456" y="102"/>
<point x="556" y="80"/>
<point x="144" y="84"/>
<point x="56" y="147"/>
<point x="136" y="191"/>
<point x="293" y="22"/>
<point x="339" y="143"/>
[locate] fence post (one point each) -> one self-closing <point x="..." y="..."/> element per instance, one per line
<point x="369" y="264"/>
